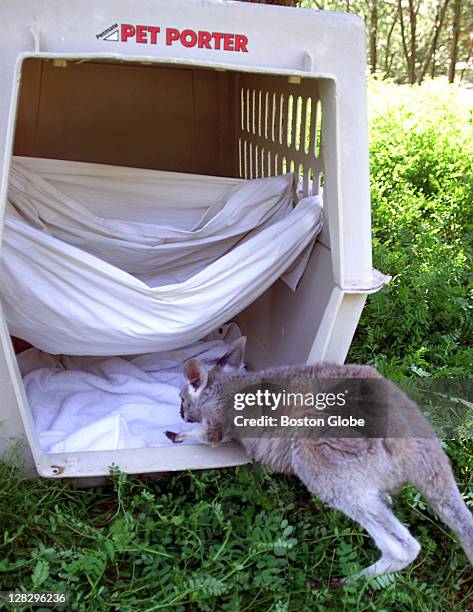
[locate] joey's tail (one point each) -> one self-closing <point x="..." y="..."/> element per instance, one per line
<point x="433" y="477"/>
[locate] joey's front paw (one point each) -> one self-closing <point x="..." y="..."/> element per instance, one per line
<point x="173" y="436"/>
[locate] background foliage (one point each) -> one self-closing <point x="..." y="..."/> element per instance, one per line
<point x="242" y="539"/>
<point x="409" y="40"/>
<point x="421" y="142"/>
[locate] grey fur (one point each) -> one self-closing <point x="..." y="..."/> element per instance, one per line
<point x="353" y="475"/>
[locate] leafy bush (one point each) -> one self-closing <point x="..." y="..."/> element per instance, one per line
<point x="421" y="141"/>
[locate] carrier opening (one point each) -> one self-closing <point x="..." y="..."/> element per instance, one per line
<point x="107" y="135"/>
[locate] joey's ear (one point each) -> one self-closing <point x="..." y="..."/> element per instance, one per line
<point x="196" y="375"/>
<point x="234" y="357"/>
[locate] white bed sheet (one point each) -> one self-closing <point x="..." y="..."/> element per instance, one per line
<point x="92" y="301"/>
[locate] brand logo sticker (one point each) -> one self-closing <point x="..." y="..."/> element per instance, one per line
<point x="154" y="35"/>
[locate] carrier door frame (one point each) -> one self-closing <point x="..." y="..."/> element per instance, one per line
<point x="17" y="420"/>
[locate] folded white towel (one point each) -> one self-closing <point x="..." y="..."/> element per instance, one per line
<point x="96" y="403"/>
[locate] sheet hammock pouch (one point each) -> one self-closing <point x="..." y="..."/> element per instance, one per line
<point x="106" y="260"/>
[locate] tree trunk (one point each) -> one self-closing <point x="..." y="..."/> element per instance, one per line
<point x="388" y="57"/>
<point x="468" y="59"/>
<point x="413" y="42"/>
<point x="454" y="42"/>
<point x="374" y="36"/>
<point x="436" y="29"/>
<point x="407" y="53"/>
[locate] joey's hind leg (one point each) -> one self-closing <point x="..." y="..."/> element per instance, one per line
<point x="398" y="547"/>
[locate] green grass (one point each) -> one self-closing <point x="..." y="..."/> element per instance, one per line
<point x="242" y="539"/>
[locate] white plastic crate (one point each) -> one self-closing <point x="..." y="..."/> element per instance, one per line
<point x="206" y="87"/>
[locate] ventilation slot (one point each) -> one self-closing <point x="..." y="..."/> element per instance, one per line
<point x="281" y="131"/>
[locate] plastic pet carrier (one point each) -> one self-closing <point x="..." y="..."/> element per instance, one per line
<point x="165" y="170"/>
